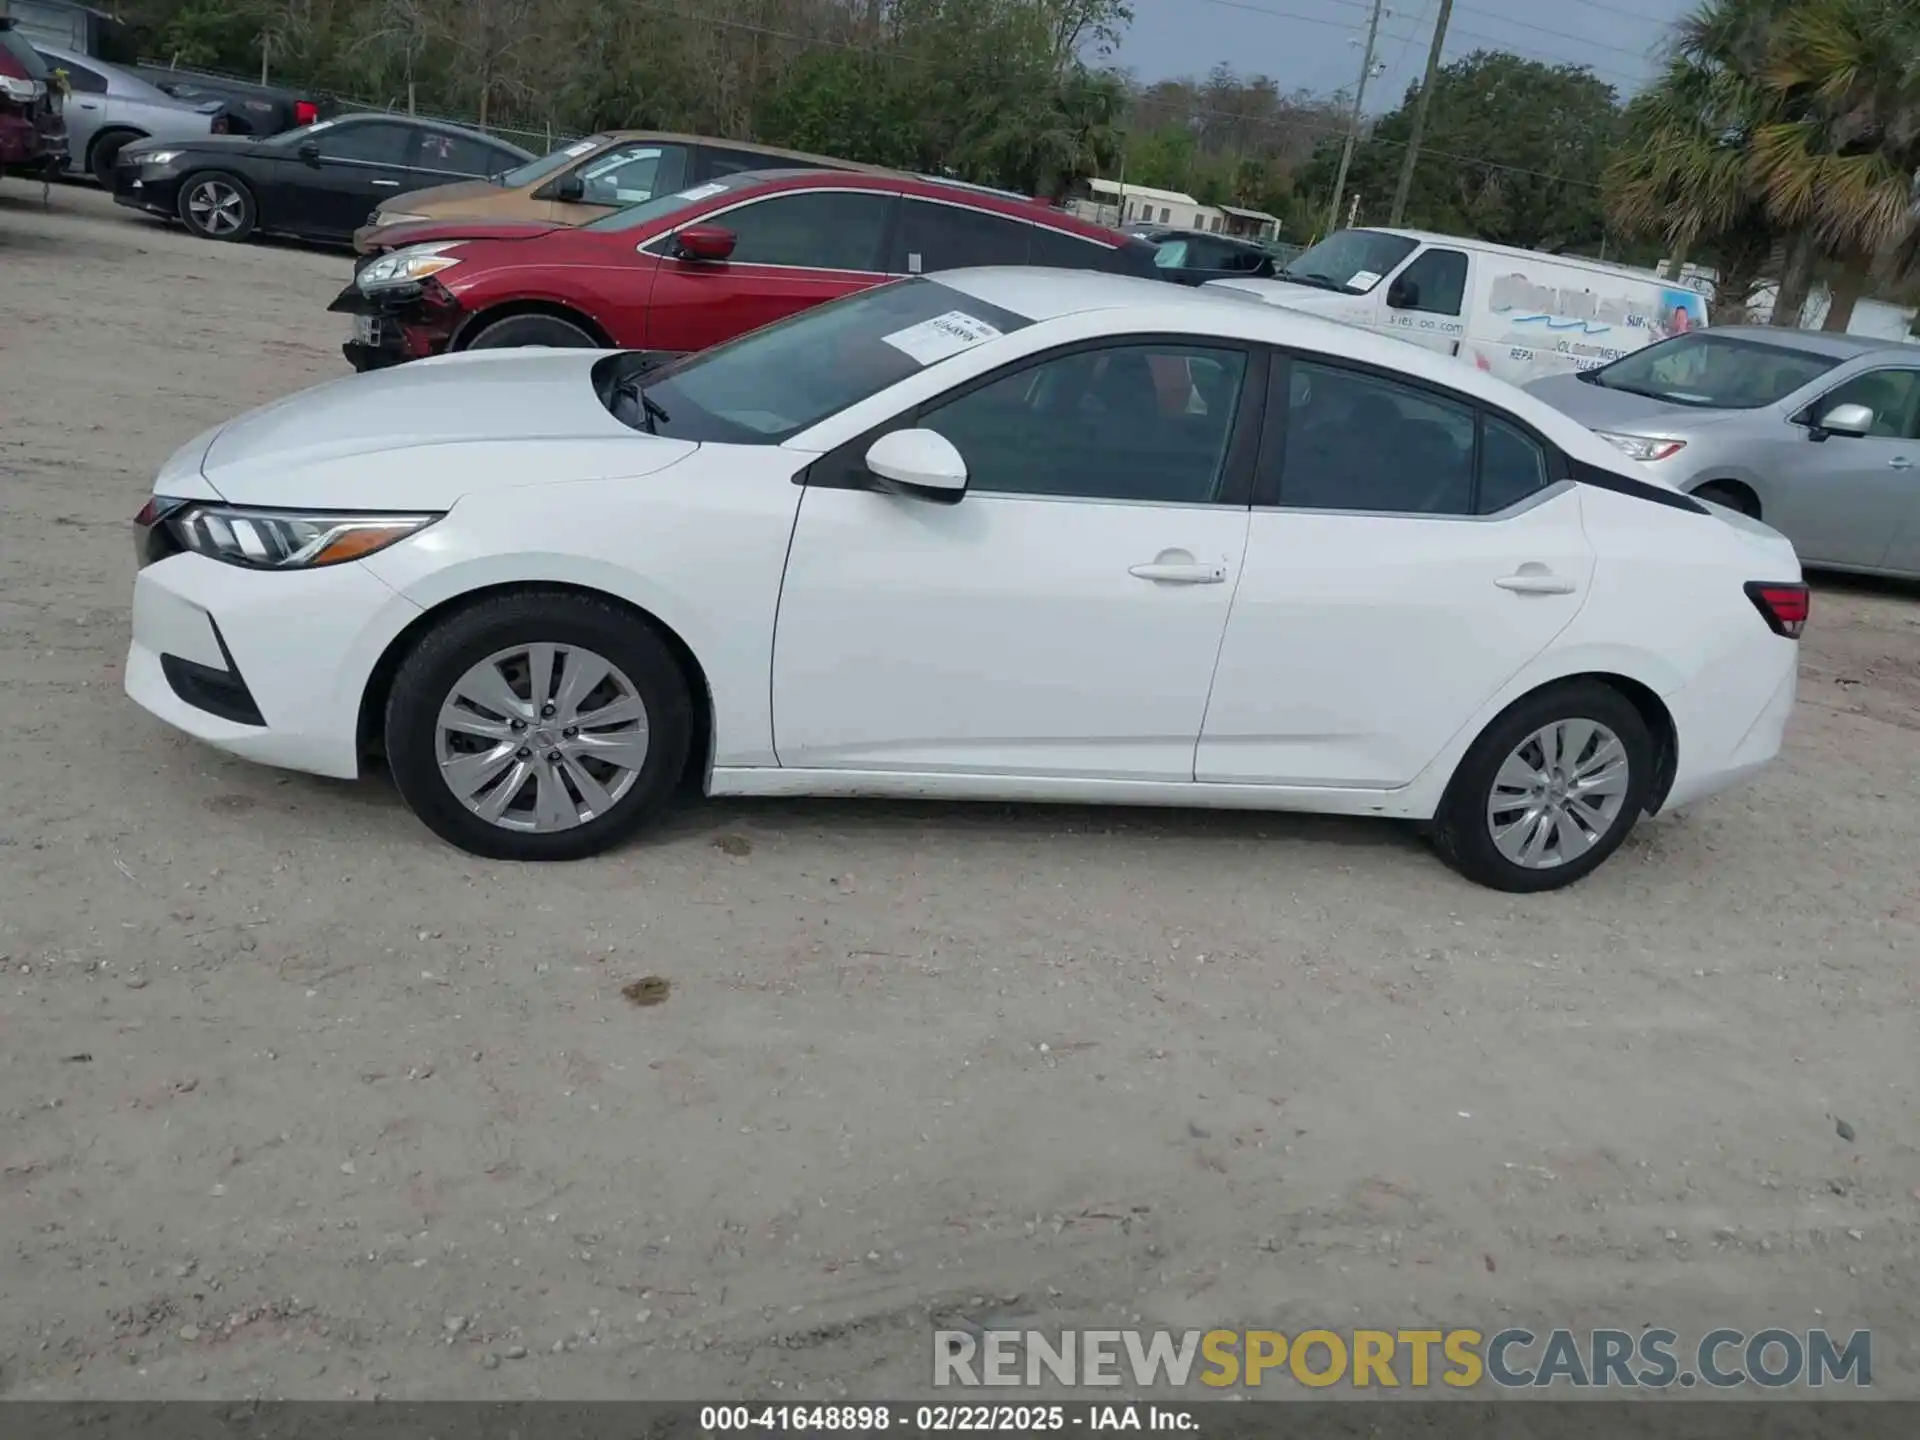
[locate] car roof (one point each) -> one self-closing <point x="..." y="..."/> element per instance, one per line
<point x="751" y="147"/>
<point x="928" y="188"/>
<point x="1812" y="342"/>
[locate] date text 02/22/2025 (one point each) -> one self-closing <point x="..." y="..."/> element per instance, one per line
<point x="942" y="1419"/>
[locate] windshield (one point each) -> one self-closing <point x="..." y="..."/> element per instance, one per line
<point x="772" y="383"/>
<point x="1351" y="260"/>
<point x="1716" y="372"/>
<point x="534" y="171"/>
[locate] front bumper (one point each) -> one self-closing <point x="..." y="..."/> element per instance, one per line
<point x="269" y="666"/>
<point x="154" y="189"/>
<point x="409" y="323"/>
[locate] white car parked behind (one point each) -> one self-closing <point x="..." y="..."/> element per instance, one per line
<point x="1007" y="534"/>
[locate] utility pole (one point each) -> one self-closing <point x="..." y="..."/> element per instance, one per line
<point x="1405" y="187"/>
<point x="1353" y="124"/>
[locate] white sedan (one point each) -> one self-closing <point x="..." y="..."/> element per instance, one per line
<point x="1000" y="534"/>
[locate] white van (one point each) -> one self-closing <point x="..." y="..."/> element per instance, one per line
<point x="1517" y="314"/>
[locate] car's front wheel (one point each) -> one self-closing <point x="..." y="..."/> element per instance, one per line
<point x="538" y="726"/>
<point x="1549" y="790"/>
<point x="217" y="206"/>
<point x="532" y="330"/>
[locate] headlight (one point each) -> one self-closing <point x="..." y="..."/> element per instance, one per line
<point x="289" y="539"/>
<point x="159" y="157"/>
<point x="398" y="217"/>
<point x="408" y="267"/>
<point x="1643" y="447"/>
<point x="25" y="91"/>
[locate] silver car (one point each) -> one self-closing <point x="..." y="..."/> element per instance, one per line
<point x="1817" y="435"/>
<point x="108" y="108"/>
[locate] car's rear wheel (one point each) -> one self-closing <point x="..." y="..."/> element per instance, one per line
<point x="1549" y="790"/>
<point x="532" y="330"/>
<point x="1731" y="494"/>
<point x="538" y="726"/>
<point x="106" y="149"/>
<point x="217" y="206"/>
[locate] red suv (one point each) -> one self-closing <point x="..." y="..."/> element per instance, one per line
<point x="33" y="136"/>
<point x="684" y="271"/>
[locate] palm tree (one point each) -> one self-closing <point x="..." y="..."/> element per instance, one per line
<point x="1839" y="157"/>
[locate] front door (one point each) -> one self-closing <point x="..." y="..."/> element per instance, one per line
<point x="1063" y="618"/>
<point x="792" y="251"/>
<point x="360" y="165"/>
<point x="1843" y="500"/>
<point x="1426" y="302"/>
<point x="1393" y="583"/>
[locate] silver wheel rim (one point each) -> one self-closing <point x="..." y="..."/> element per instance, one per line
<point x="216" y="207"/>
<point x="1558" y="794"/>
<point x="541" y="738"/>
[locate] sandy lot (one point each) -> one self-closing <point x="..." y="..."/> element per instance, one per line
<point x="297" y="1102"/>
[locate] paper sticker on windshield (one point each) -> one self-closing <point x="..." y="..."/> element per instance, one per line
<point x="1362" y="279"/>
<point x="700" y="192"/>
<point x="941" y="336"/>
<point x="579" y="148"/>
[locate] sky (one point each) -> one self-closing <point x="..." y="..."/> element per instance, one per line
<point x="1316" y="44"/>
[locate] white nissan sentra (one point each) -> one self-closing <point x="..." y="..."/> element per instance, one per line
<point x="999" y="534"/>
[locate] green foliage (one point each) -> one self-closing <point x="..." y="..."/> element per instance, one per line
<point x="1538" y="137"/>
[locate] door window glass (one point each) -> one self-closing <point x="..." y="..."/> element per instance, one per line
<point x="1439" y="282"/>
<point x="1130" y="422"/>
<point x="1512" y="467"/>
<point x="1171" y="255"/>
<point x="818" y="229"/>
<point x="453" y="154"/>
<point x="1067" y="252"/>
<point x="947" y="237"/>
<point x="1358" y="442"/>
<point x="378" y="143"/>
<point x="1892" y="395"/>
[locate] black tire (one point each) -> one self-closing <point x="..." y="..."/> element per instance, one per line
<point x="533" y="330"/>
<point x="105" y="150"/>
<point x="1462" y="830"/>
<point x="229" y="211"/>
<point x="1732" y="495"/>
<point x="427" y="677"/>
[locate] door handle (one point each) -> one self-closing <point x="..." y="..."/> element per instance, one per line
<point x="89" y="104"/>
<point x="1900" y="462"/>
<point x="388" y="184"/>
<point x="1180" y="574"/>
<point x="1538" y="581"/>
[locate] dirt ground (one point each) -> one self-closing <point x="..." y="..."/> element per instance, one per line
<point x="297" y="1102"/>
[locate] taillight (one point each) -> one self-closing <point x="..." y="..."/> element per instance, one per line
<point x="1783" y="606"/>
<point x="305" y="112"/>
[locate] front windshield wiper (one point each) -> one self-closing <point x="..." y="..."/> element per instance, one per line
<point x="651" y="409"/>
<point x="1305" y="277"/>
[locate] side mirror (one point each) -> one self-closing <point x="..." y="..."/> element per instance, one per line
<point x="310" y="151"/>
<point x="571" y="189"/>
<point x="1403" y="294"/>
<point x="704" y="242"/>
<point x="919" y="463"/>
<point x="1855" y="420"/>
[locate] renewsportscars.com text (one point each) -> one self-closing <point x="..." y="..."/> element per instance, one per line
<point x="1404" y="1359"/>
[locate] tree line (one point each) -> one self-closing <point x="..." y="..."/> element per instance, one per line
<point x="1781" y="141"/>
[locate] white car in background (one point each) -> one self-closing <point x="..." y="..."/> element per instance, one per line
<point x="1003" y="534"/>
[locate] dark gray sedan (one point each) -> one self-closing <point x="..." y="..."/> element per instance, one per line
<point x="1817" y="435"/>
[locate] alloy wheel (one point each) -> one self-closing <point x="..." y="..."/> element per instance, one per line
<point x="216" y="207"/>
<point x="1558" y="794"/>
<point x="542" y="737"/>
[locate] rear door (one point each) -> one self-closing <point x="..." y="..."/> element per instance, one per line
<point x="792" y="250"/>
<point x="358" y="164"/>
<point x="1409" y="553"/>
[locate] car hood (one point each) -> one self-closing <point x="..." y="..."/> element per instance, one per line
<point x="422" y="232"/>
<point x="1599" y="408"/>
<point x="219" y="144"/>
<point x="421" y="435"/>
